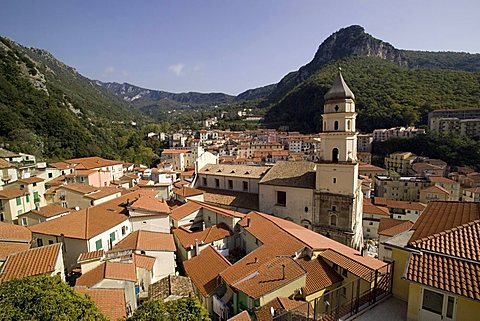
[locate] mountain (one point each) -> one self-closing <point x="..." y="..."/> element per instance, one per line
<point x="393" y="87"/>
<point x="47" y="108"/>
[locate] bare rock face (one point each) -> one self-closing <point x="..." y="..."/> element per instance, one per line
<point x="347" y="42"/>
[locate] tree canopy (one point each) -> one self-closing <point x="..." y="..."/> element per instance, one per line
<point x="44" y="298"/>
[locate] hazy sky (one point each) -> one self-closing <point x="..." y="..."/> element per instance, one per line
<point x="221" y="45"/>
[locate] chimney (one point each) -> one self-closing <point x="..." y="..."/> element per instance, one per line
<point x="283" y="271"/>
<point x="248" y="222"/>
<point x="196" y="247"/>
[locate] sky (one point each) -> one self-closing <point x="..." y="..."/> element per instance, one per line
<point x="223" y="45"/>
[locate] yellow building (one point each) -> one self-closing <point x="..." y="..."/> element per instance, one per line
<point x="437" y="266"/>
<point x="400" y="162"/>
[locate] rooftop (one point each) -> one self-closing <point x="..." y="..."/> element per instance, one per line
<point x="150" y="204"/>
<point x="187" y="191"/>
<point x="244" y="171"/>
<point x="213" y="233"/>
<point x="36" y="261"/>
<point x="108" y="270"/>
<point x="50" y="210"/>
<point x="92" y="162"/>
<point x="14" y="233"/>
<point x="146" y="241"/>
<point x="299" y="174"/>
<point x="111" y="302"/>
<point x="392" y="226"/>
<point x="339" y="89"/>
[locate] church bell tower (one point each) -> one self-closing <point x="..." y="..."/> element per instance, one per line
<point x="338" y="195"/>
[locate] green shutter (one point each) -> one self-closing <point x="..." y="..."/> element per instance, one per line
<point x="19" y="201"/>
<point x="28" y="198"/>
<point x="36" y="198"/>
<point x="98" y="244"/>
<point x="112" y="236"/>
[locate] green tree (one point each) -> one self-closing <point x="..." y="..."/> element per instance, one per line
<point x="44" y="298"/>
<point x="185" y="309"/>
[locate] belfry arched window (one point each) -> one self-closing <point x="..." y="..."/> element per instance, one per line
<point x="335" y="125"/>
<point x="335" y="155"/>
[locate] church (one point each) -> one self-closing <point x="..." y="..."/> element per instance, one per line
<point x="324" y="195"/>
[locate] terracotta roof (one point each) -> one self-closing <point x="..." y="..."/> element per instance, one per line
<point x="80" y="188"/>
<point x="36" y="261"/>
<point x="270" y="276"/>
<point x="440" y="179"/>
<point x="146" y="241"/>
<point x="30" y="180"/>
<point x="88" y="256"/>
<point x="187" y="191"/>
<point x="204" y="269"/>
<point x="176" y="151"/>
<point x="181" y="183"/>
<point x="435" y="189"/>
<point x="89" y="222"/>
<point x="282" y="305"/>
<point x="244" y="171"/>
<point x="11" y="193"/>
<point x="299" y="174"/>
<point x="460" y="277"/>
<point x="319" y="275"/>
<point x="4" y="153"/>
<point x="144" y="261"/>
<point x="5" y="164"/>
<point x="12" y="232"/>
<point x="50" y="210"/>
<point x="111" y="302"/>
<point x="184" y="210"/>
<point x="92" y="162"/>
<point x="230" y="198"/>
<point x="187" y="173"/>
<point x="220" y="210"/>
<point x="9" y="248"/>
<point x="242" y="316"/>
<point x="103" y="192"/>
<point x="441" y="216"/>
<point x="108" y="270"/>
<point x="208" y="235"/>
<point x="129" y="177"/>
<point x="61" y="165"/>
<point x="368" y="167"/>
<point x="369" y="208"/>
<point x="392" y="226"/>
<point x="82" y="172"/>
<point x="405" y="205"/>
<point x="150" y="204"/>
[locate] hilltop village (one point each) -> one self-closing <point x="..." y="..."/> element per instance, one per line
<point x="259" y="225"/>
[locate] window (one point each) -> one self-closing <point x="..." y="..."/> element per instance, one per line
<point x="335" y="155"/>
<point x="245" y="185"/>
<point x="230" y="184"/>
<point x="348" y="124"/>
<point x="36" y="198"/>
<point x="368" y="230"/>
<point x="34" y="184"/>
<point x="24" y="221"/>
<point x="450" y="305"/>
<point x="112" y="236"/>
<point x="50" y="242"/>
<point x="306" y="209"/>
<point x="123" y="230"/>
<point x="2" y="217"/>
<point x="50" y="175"/>
<point x="217" y="183"/>
<point x="334" y="180"/>
<point x="335" y="125"/>
<point x="204" y="181"/>
<point x="98" y="244"/>
<point x="19" y="201"/>
<point x="432" y="301"/>
<point x="334" y="208"/>
<point x="333" y="220"/>
<point x="336" y="107"/>
<point x="370" y="223"/>
<point x="281" y="198"/>
<point x="344" y="272"/>
<point x="39" y="242"/>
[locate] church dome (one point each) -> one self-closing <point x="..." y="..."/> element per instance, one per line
<point x="339" y="89"/>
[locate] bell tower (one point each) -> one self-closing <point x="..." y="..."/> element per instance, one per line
<point x="338" y="194"/>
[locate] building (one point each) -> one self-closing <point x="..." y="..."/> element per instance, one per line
<point x="372" y="214"/>
<point x="14" y="202"/>
<point x="42" y="214"/>
<point x="114" y="168"/>
<point x="92" y="177"/>
<point x="47" y="260"/>
<point x="364" y="143"/>
<point x="400" y="162"/>
<point x="149" y="213"/>
<point x="464" y="122"/>
<point x="111" y="302"/>
<point x="471" y="194"/>
<point x="436" y="263"/>
<point x="401" y="188"/>
<point x="13" y="239"/>
<point x="382" y="135"/>
<point x="8" y="172"/>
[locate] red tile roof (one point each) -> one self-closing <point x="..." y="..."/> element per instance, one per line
<point x="50" y="210"/>
<point x="108" y="270"/>
<point x="146" y="241"/>
<point x="242" y="316"/>
<point x="187" y="191"/>
<point x="440" y="179"/>
<point x="30" y="180"/>
<point x="36" y="261"/>
<point x="92" y="162"/>
<point x="104" y="192"/>
<point x="88" y="256"/>
<point x="12" y="232"/>
<point x="151" y="204"/>
<point x="436" y="189"/>
<point x="184" y="210"/>
<point x="392" y="226"/>
<point x="80" y="188"/>
<point x="111" y="302"/>
<point x="319" y="275"/>
<point x="11" y="193"/>
<point x="9" y="248"/>
<point x="204" y="269"/>
<point x="369" y="208"/>
<point x="144" y="261"/>
<point x="213" y="233"/>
